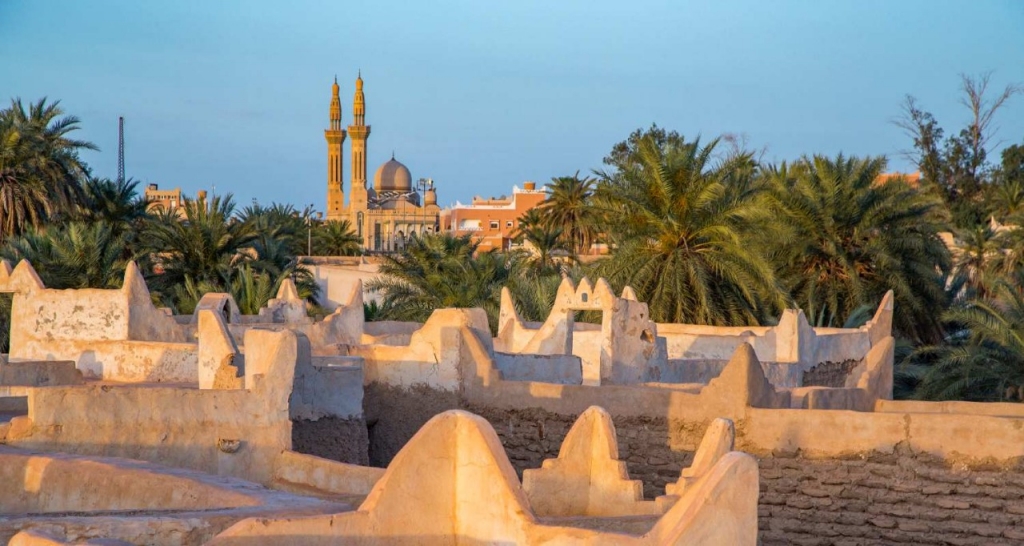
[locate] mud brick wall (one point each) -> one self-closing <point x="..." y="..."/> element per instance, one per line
<point x="829" y="374"/>
<point x="332" y="438"/>
<point x="898" y="498"/>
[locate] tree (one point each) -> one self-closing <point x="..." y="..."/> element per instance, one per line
<point x="545" y="243"/>
<point x="24" y="200"/>
<point x="681" y="238"/>
<point x="569" y="210"/>
<point x="957" y="166"/>
<point x="983" y="358"/>
<point x="115" y="202"/>
<point x="53" y="156"/>
<point x="78" y="255"/>
<point x="437" y="271"/>
<point x="979" y="254"/>
<point x="854" y="239"/>
<point x="204" y="246"/>
<point x="40" y="172"/>
<point x="336" y="238"/>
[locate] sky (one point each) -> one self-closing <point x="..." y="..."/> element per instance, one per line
<point x="233" y="96"/>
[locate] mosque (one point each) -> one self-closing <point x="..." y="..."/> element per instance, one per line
<point x="395" y="208"/>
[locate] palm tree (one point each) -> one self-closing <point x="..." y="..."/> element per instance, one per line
<point x="978" y="251"/>
<point x="52" y="155"/>
<point x="681" y="237"/>
<point x="116" y="202"/>
<point x="568" y="209"/>
<point x="853" y="239"/>
<point x="24" y="200"/>
<point x="983" y="359"/>
<point x="252" y="290"/>
<point x="336" y="238"/>
<point x="1006" y="198"/>
<point x="278" y="222"/>
<point x="440" y="270"/>
<point x="544" y="243"/>
<point x="78" y="255"/>
<point x="204" y="246"/>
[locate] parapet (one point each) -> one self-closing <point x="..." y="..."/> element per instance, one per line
<point x="452" y="482"/>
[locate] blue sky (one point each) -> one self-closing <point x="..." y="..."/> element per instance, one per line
<point x="483" y="95"/>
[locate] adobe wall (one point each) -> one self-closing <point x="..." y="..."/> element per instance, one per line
<point x="334" y="438"/>
<point x="876" y="497"/>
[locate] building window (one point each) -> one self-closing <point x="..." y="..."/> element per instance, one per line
<point x="494" y="224"/>
<point x="508" y="224"/>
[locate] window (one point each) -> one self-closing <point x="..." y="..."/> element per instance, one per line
<point x="508" y="224"/>
<point x="494" y="224"/>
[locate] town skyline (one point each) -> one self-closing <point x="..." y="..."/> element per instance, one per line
<point x="482" y="109"/>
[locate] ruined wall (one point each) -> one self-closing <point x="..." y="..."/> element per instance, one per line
<point x="829" y="374"/>
<point x="333" y="438"/>
<point x="900" y="497"/>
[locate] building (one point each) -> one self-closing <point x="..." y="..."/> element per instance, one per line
<point x="493" y="222"/>
<point x="914" y="178"/>
<point x="391" y="211"/>
<point x="157" y="199"/>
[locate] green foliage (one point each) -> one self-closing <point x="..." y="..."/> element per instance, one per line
<point x="116" y="203"/>
<point x="548" y="251"/>
<point x="983" y="357"/>
<point x="77" y="255"/>
<point x="852" y="239"/>
<point x="40" y="172"/>
<point x="438" y="271"/>
<point x="336" y="238"/>
<point x="204" y="246"/>
<point x="567" y="210"/>
<point x="682" y="222"/>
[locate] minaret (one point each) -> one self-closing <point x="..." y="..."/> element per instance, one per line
<point x="335" y="138"/>
<point x="359" y="131"/>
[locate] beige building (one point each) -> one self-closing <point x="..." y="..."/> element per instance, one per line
<point x="162" y="199"/>
<point x="394" y="208"/>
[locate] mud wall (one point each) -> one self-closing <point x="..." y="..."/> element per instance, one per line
<point x="900" y="497"/>
<point x="343" y="440"/>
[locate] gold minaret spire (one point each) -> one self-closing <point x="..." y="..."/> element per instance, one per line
<point x="359" y="131"/>
<point x="335" y="137"/>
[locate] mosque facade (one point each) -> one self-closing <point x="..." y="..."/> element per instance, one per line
<point x="395" y="208"/>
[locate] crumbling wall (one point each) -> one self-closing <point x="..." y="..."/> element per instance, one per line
<point x="889" y="496"/>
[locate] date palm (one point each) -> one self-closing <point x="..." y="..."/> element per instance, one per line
<point x="204" y="246"/>
<point x="680" y="224"/>
<point x="77" y="255"/>
<point x="983" y="357"/>
<point x="50" y="155"/>
<point x="116" y="202"/>
<point x="436" y="271"/>
<point x="854" y="239"/>
<point x="568" y="208"/>
<point x="336" y="238"/>
<point x="544" y="243"/>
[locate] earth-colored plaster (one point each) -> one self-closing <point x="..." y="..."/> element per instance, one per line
<point x="452" y="484"/>
<point x="587" y="478"/>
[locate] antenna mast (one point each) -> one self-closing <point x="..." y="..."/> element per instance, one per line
<point x="120" y="149"/>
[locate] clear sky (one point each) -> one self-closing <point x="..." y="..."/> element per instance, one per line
<point x="481" y="95"/>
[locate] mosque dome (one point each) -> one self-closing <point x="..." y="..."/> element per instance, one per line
<point x="430" y="198"/>
<point x="392" y="176"/>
